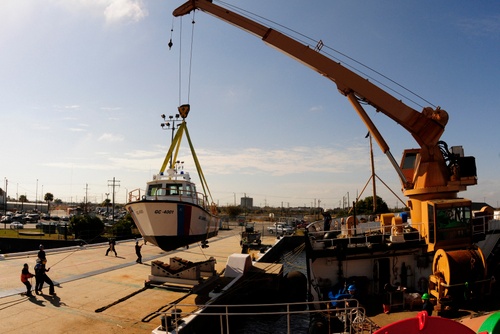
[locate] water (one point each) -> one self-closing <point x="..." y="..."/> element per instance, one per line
<point x="299" y="323"/>
<point x="277" y="324"/>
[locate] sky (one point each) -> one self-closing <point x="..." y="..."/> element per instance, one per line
<point x="83" y="84"/>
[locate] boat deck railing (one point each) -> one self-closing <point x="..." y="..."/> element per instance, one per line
<point x="488" y="224"/>
<point x="349" y="319"/>
<point x="181" y="195"/>
<point x="365" y="233"/>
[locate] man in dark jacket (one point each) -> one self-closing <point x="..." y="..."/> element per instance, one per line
<point x="41" y="277"/>
<point x="138" y="252"/>
<point x="111" y="247"/>
<point x="41" y="253"/>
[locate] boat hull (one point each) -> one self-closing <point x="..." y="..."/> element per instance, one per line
<point x="172" y="224"/>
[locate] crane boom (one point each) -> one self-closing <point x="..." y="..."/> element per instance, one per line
<point x="428" y="173"/>
<point x="426" y="127"/>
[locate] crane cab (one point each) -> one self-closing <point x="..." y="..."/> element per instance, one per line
<point x="447" y="224"/>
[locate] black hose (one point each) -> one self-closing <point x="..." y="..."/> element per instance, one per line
<point x="121" y="300"/>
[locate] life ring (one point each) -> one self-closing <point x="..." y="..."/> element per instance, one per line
<point x="423" y="284"/>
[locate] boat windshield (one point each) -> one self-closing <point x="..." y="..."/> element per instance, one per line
<point x="171" y="189"/>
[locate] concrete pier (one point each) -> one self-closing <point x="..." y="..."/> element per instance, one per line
<point x="97" y="293"/>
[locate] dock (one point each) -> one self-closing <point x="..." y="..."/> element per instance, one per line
<point x="97" y="293"/>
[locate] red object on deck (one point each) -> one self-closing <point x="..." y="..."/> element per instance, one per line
<point x="423" y="323"/>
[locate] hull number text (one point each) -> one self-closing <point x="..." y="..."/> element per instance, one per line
<point x="167" y="212"/>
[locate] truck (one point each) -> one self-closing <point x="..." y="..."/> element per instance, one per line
<point x="281" y="229"/>
<point x="442" y="227"/>
<point x="250" y="236"/>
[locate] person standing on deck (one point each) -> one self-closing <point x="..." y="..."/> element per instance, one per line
<point x="138" y="252"/>
<point x="41" y="253"/>
<point x="327" y="222"/>
<point x="111" y="248"/>
<point x="427" y="305"/>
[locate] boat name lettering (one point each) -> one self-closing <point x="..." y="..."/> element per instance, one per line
<point x="168" y="212"/>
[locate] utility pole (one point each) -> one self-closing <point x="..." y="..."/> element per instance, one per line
<point x="114" y="183"/>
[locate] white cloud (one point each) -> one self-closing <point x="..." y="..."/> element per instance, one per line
<point x="125" y="10"/>
<point x="292" y="161"/>
<point x="109" y="137"/>
<point x="481" y="26"/>
<point x="110" y="108"/>
<point x="316" y="109"/>
<point x="139" y="154"/>
<point x="82" y="165"/>
<point x="113" y="11"/>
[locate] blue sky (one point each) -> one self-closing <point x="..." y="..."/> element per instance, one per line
<point x="83" y="85"/>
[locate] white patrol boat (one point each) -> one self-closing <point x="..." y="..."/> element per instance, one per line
<point x="171" y="213"/>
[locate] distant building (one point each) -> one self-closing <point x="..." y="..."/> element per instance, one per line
<point x="246" y="202"/>
<point x="26" y="206"/>
<point x="2" y="199"/>
<point x="74" y="211"/>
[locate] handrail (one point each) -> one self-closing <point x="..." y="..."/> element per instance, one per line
<point x="354" y="318"/>
<point x="183" y="195"/>
<point x="350" y="233"/>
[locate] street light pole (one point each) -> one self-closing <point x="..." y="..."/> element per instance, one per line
<point x="170" y="125"/>
<point x="107" y="205"/>
<point x="36" y="196"/>
<point x="5" y="208"/>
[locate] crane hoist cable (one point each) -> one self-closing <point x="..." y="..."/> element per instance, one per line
<point x="180" y="60"/>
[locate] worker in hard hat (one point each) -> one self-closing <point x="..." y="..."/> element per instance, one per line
<point x="353" y="294"/>
<point x="427" y="305"/>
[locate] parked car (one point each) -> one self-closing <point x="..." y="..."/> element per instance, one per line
<point x="6" y="220"/>
<point x="302" y="224"/>
<point x="33" y="217"/>
<point x="280" y="229"/>
<point x="18" y="217"/>
<point x="16" y="225"/>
